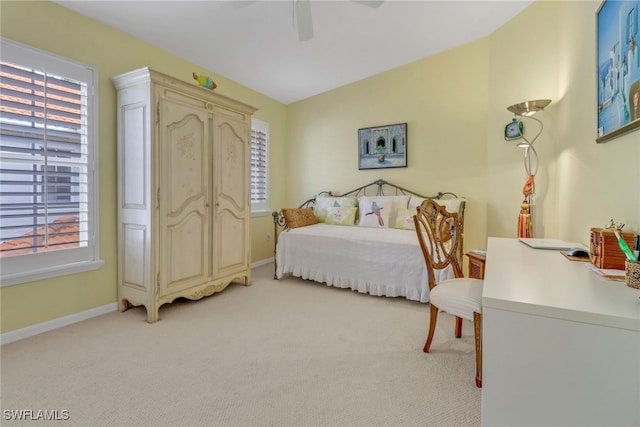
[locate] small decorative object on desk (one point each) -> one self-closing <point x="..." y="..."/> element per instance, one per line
<point x="632" y="274"/>
<point x="204" y="81"/>
<point x="608" y="246"/>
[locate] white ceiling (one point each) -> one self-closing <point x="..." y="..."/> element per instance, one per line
<point x="255" y="43"/>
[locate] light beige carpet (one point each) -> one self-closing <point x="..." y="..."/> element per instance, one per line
<point x="277" y="353"/>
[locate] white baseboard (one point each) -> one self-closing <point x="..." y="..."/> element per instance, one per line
<point x="29" y="331"/>
<point x="262" y="262"/>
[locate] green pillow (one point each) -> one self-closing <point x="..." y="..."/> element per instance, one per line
<point x="404" y="219"/>
<point x="343" y="215"/>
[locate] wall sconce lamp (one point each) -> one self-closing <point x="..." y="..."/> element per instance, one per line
<point x="526" y="110"/>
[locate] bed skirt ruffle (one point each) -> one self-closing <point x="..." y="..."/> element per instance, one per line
<point x="381" y="262"/>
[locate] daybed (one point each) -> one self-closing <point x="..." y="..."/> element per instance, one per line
<point x="363" y="239"/>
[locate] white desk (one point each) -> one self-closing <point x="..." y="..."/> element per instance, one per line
<point x="561" y="345"/>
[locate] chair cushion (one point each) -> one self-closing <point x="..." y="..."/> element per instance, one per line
<point x="459" y="297"/>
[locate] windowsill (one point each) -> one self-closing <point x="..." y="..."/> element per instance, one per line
<point x="261" y="212"/>
<point x="51" y="272"/>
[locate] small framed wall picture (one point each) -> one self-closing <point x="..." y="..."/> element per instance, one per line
<point x="382" y="147"/>
<point x="513" y="130"/>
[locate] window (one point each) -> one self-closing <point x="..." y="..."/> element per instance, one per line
<point x="259" y="166"/>
<point x="48" y="165"/>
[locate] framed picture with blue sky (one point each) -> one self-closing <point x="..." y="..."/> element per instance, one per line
<point x="618" y="68"/>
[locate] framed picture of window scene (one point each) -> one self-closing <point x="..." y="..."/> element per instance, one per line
<point x="382" y="147"/>
<point x="618" y="68"/>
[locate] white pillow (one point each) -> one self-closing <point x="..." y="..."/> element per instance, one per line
<point x="451" y="205"/>
<point x="375" y="211"/>
<point x="415" y="201"/>
<point x="323" y="203"/>
<point x="398" y="203"/>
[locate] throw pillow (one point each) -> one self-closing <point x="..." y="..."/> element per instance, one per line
<point x="415" y="201"/>
<point x="404" y="219"/>
<point x="451" y="205"/>
<point x="375" y="212"/>
<point x="398" y="203"/>
<point x="345" y="215"/>
<point x="443" y="229"/>
<point x="325" y="202"/>
<point x="299" y="217"/>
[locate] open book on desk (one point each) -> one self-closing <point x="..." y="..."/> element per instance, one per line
<point x="554" y="244"/>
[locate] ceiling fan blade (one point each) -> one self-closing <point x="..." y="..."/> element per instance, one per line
<point x="303" y="19"/>
<point x="370" y="3"/>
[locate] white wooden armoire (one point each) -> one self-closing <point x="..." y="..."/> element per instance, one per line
<point x="183" y="190"/>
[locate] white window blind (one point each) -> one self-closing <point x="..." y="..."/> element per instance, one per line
<point x="259" y="166"/>
<point x="47" y="168"/>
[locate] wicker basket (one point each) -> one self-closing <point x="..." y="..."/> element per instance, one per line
<point x="632" y="274"/>
<point x="605" y="251"/>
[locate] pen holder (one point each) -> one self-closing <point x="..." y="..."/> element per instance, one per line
<point x="632" y="274"/>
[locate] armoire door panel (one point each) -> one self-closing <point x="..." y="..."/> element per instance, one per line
<point x="186" y="157"/>
<point x="233" y="168"/>
<point x="133" y="250"/>
<point x="231" y="231"/>
<point x="231" y="193"/>
<point x="185" y="259"/>
<point x="184" y="198"/>
<point x="134" y="157"/>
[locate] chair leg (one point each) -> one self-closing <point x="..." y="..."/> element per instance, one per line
<point x="432" y="327"/>
<point x="458" y="327"/>
<point x="477" y="323"/>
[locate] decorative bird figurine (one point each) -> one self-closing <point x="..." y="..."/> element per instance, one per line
<point x="375" y="209"/>
<point x="205" y="81"/>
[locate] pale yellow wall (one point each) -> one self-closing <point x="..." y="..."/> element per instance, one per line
<point x="524" y="66"/>
<point x="47" y="26"/>
<point x="548" y="51"/>
<point x="443" y="101"/>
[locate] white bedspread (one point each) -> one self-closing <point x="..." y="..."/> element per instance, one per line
<point x="385" y="262"/>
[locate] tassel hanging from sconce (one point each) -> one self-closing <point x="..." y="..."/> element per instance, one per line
<point x="525" y="224"/>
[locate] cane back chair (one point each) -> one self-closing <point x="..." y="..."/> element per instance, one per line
<point x="439" y="234"/>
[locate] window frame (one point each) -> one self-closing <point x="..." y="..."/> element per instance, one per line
<point x="261" y="208"/>
<point x="44" y="265"/>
